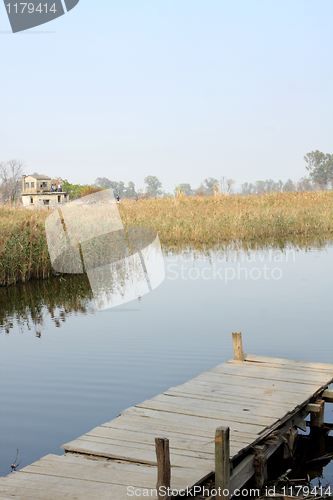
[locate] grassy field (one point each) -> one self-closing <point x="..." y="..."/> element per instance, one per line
<point x="202" y="223"/>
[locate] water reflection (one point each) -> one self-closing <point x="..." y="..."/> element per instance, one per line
<point x="26" y="304"/>
<point x="112" y="284"/>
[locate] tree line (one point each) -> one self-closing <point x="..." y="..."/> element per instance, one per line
<point x="320" y="168"/>
<point x="318" y="164"/>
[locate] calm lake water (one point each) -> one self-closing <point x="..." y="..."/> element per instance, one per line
<point x="66" y="368"/>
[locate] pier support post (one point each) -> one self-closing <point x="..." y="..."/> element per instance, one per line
<point x="238" y="346"/>
<point x="260" y="467"/>
<point x="317" y="418"/>
<point x="163" y="467"/>
<point x="289" y="443"/>
<point x="222" y="463"/>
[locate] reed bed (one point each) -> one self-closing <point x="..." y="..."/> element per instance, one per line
<point x="23" y="247"/>
<point x="201" y="223"/>
<point x="248" y="221"/>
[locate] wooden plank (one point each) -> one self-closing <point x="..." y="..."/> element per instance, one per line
<point x="137" y="472"/>
<point x="114" y="445"/>
<point x="204" y="428"/>
<point x="240" y="398"/>
<point x="219" y="379"/>
<point x="255" y="409"/>
<point x="96" y="474"/>
<point x="45" y="487"/>
<point x="80" y="492"/>
<point x="313" y="407"/>
<point x="195" y="411"/>
<point x="237" y="368"/>
<point x="328" y="396"/>
<point x="307" y="365"/>
<point x="181" y="418"/>
<point x="180" y="441"/>
<point x="145" y="456"/>
<point x="157" y="426"/>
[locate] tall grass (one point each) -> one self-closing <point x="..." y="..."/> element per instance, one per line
<point x="23" y="247"/>
<point x="201" y="223"/>
<point x="248" y="221"/>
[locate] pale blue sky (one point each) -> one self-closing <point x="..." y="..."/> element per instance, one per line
<point x="178" y="89"/>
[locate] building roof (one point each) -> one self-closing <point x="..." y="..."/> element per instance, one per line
<point x="40" y="177"/>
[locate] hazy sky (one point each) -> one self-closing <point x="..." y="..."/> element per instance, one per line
<point x="174" y="88"/>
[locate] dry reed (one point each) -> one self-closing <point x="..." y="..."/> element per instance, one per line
<point x="185" y="222"/>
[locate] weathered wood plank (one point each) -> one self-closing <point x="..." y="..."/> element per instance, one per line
<point x="259" y="409"/>
<point x="328" y="395"/>
<point x="200" y="426"/>
<point x="307" y="365"/>
<point x="196" y="411"/>
<point x="219" y="379"/>
<point x="238" y="398"/>
<point x="237" y="368"/>
<point x="192" y="419"/>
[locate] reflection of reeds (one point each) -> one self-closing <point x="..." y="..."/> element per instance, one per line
<point x="26" y="302"/>
<point x="275" y="219"/>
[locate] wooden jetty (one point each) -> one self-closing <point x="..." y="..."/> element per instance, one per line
<point x="226" y="421"/>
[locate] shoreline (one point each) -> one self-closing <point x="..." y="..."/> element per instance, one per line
<point x="197" y="223"/>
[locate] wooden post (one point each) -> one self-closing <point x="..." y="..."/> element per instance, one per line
<point x="317" y="418"/>
<point x="222" y="463"/>
<point x="289" y="443"/>
<point x="163" y="467"/>
<point x="260" y="467"/>
<point x="238" y="346"/>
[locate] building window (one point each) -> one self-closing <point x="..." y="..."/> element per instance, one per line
<point x="46" y="202"/>
<point x="44" y="184"/>
<point x="31" y="200"/>
<point x="59" y="199"/>
<point x="32" y="184"/>
<point x="27" y="184"/>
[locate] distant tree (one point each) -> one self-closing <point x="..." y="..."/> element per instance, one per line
<point x="186" y="188"/>
<point x="129" y="191"/>
<point x="304" y="184"/>
<point x="260" y="187"/>
<point x="320" y="166"/>
<point x="153" y="186"/>
<point x="11" y="178"/>
<point x="248" y="188"/>
<point x="206" y="188"/>
<point x="103" y="183"/>
<point x="329" y="167"/>
<point x="229" y="184"/>
<point x="74" y="190"/>
<point x="118" y="188"/>
<point x="289" y="186"/>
